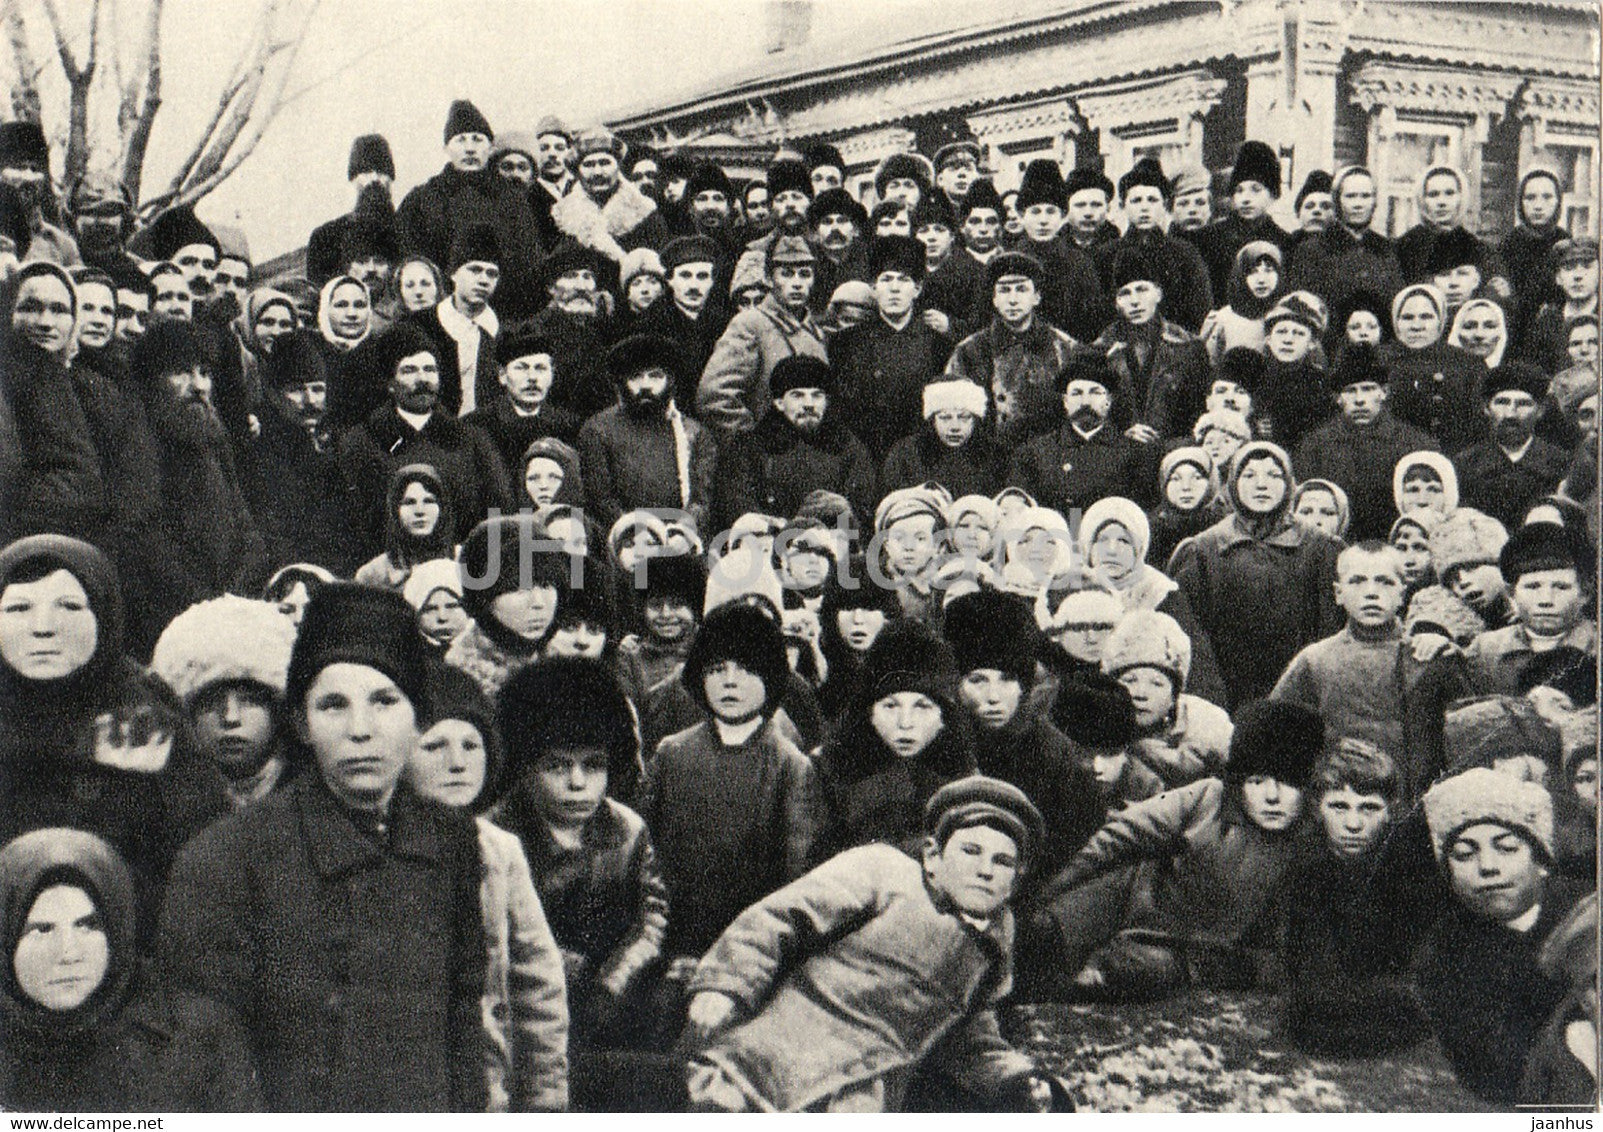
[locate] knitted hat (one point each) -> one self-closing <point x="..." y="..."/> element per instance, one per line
<point x="1145" y="638"/>
<point x="747" y="631"/>
<point x="1516" y="376"/>
<point x="981" y="194"/>
<point x="679" y="577"/>
<point x="1147" y="172"/>
<point x="173" y="230"/>
<point x="296" y="360"/>
<point x="641" y="352"/>
<point x="1255" y="161"/>
<point x="1295" y="307"/>
<point x="569" y="702"/>
<point x="689" y="249"/>
<point x="896" y="253"/>
<point x="904" y="166"/>
<point x="982" y="505"/>
<point x="954" y="393"/>
<point x="1191" y="454"/>
<point x="1545" y="546"/>
<point x="1014" y="263"/>
<point x="1042" y="184"/>
<point x="987" y="629"/>
<point x="464" y="118"/>
<point x="980" y="800"/>
<point x="167" y="347"/>
<point x="1437" y="463"/>
<point x="427" y="577"/>
<point x="522" y="342"/>
<point x="1192" y="178"/>
<point x="641" y="261"/>
<point x="1358" y="363"/>
<point x="1095" y="710"/>
<point x="551" y="124"/>
<point x="224" y="640"/>
<point x="1466" y="538"/>
<point x="708" y="178"/>
<point x="1566" y="669"/>
<point x="475" y="244"/>
<point x="1083" y="177"/>
<point x="1243" y="366"/>
<point x="598" y="139"/>
<point x="1453" y="249"/>
<point x="1484" y="729"/>
<point x="787" y="175"/>
<point x="1317" y="181"/>
<point x="820" y="155"/>
<point x="743" y="574"/>
<point x="963" y="147"/>
<point x="908" y="657"/>
<point x="1436" y="610"/>
<point x="23" y="143"/>
<point x="836" y="201"/>
<point x="1276" y="739"/>
<point x="345" y="623"/>
<point x="370" y="153"/>
<point x="800" y="371"/>
<point x="1130" y="265"/>
<point x="787" y="249"/>
<point x="1481" y="795"/>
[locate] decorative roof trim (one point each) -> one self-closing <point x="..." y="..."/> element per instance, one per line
<point x="1401" y="86"/>
<point x="1184" y="96"/>
<point x="1556" y="100"/>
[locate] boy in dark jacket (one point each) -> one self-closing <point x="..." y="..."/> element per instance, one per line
<point x="954" y="448"/>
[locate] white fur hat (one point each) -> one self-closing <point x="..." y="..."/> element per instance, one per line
<point x="227" y="638"/>
<point x="1089" y="605"/>
<point x="1146" y="638"/>
<point x="1483" y="795"/>
<point x="426" y="577"/>
<point x="954" y="393"/>
<point x="1466" y="538"/>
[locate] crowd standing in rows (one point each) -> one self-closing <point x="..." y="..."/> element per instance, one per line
<point x="609" y="636"/>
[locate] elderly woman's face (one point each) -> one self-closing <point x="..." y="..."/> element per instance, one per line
<point x="47" y="629"/>
<point x="1419" y="323"/>
<point x="361" y="728"/>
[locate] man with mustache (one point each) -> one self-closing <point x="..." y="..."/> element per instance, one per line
<point x="1085" y="458"/>
<point x="576" y="322"/>
<point x="643" y="452"/>
<point x="25" y="166"/>
<point x="797" y="448"/>
<point x="836" y="224"/>
<point x="694" y="315"/>
<point x="1504" y="474"/>
<point x="604" y="212"/>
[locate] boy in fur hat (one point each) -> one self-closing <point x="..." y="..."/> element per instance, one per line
<point x="1550" y="573"/>
<point x="1097" y="716"/>
<point x="801" y="1004"/>
<point x="1478" y="976"/>
<point x="1254" y="185"/>
<point x="1071" y="290"/>
<point x="953" y="448"/>
<point x="1184" y="886"/>
<point x="227" y="659"/>
<point x="1292" y="400"/>
<point x="1147" y="196"/>
<point x="1465" y="548"/>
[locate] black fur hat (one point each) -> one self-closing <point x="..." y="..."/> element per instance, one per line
<point x="988" y="629"/>
<point x="1083" y="177"/>
<point x="908" y="657"/>
<point x="370" y="153"/>
<point x="821" y="154"/>
<point x="350" y="624"/>
<point x="1130" y="265"/>
<point x="1147" y="171"/>
<point x="296" y="358"/>
<point x="681" y="577"/>
<point x="1452" y="249"/>
<point x="570" y="702"/>
<point x="464" y="118"/>
<point x="476" y="244"/>
<point x="1095" y="711"/>
<point x="1255" y="161"/>
<point x="837" y="200"/>
<point x="895" y="253"/>
<point x="708" y="178"/>
<point x="1042" y="184"/>
<point x="981" y="194"/>
<point x="640" y="352"/>
<point x="1244" y="366"/>
<point x="1276" y="739"/>
<point x="747" y="631"/>
<point x="788" y="175"/>
<point x="801" y="371"/>
<point x="167" y="347"/>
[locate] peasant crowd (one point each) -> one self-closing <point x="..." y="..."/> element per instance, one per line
<point x="608" y="636"/>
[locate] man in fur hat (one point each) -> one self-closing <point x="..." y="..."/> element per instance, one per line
<point x="1089" y="194"/>
<point x="803" y="443"/>
<point x="371" y="172"/>
<point x="1315" y="209"/>
<point x="578" y="324"/>
<point x="1254" y="185"/>
<point x="838" y="227"/>
<point x="790" y="192"/>
<point x="1071" y="290"/>
<point x="468" y="193"/>
<point x="826" y="168"/>
<point x="1147" y="196"/>
<point x="1513" y="468"/>
<point x="604" y="212"/>
<point x="644" y="452"/>
<point x="692" y="315"/>
<point x="957" y="286"/>
<point x="102" y="220"/>
<point x="906" y="177"/>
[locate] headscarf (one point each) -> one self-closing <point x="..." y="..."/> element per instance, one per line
<point x="1241" y="300"/>
<point x="1144" y="587"/>
<point x="1262" y="525"/>
<point x="1343" y="507"/>
<point x="326" y="327"/>
<point x="1436" y="298"/>
<point x="256" y="303"/>
<point x="404" y="548"/>
<point x="1455" y="336"/>
<point x="1336" y="183"/>
<point x="1198" y="457"/>
<point x="1457" y="175"/>
<point x="1436" y="462"/>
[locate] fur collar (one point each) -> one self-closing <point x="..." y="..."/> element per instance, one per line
<point x="601" y="227"/>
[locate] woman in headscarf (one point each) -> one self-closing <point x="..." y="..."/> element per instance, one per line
<point x="269" y="314"/>
<point x="344" y="314"/>
<point x="1527" y="250"/>
<point x="88" y="738"/>
<point x="1481" y="328"/>
<point x="339" y="917"/>
<point x="84" y="1024"/>
<point x="1433" y="385"/>
<point x="1260" y="586"/>
<point x="418" y="522"/>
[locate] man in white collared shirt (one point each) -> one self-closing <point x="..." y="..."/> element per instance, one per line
<point x="465" y="315"/>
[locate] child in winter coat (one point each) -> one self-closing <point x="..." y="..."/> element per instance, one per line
<point x="1257" y="280"/>
<point x="1184" y="886"/>
<point x="1293" y="400"/>
<point x="803" y="1004"/>
<point x="418" y="524"/>
<point x="457" y="761"/>
<point x="954" y="448"/>
<point x="1346" y="992"/>
<point x="511" y="590"/>
<point x="1189" y="485"/>
<point x="676" y="585"/>
<point x="434" y="589"/>
<point x="1550" y="574"/>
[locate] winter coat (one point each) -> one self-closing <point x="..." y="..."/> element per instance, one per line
<point x="55" y="482"/>
<point x="872" y="794"/>
<point x="511" y="432"/>
<point x="1170" y="527"/>
<point x="1486" y="997"/>
<point x="730" y="825"/>
<point x="960" y="289"/>
<point x="1036" y="757"/>
<point x="1188" y="292"/>
<point x="1020" y="372"/>
<point x="433" y="214"/>
<point x="627" y="220"/>
<point x="977" y="468"/>
<point x="1065" y="471"/>
<point x="1437" y="389"/>
<point x="580" y="384"/>
<point x="1494" y="658"/>
<point x="384" y="443"/>
<point x="695" y="337"/>
<point x="299" y="496"/>
<point x="1168" y="391"/>
<point x="1193" y="744"/>
<point x="1220" y="241"/>
<point x="1527" y="255"/>
<point x="774" y="468"/>
<point x="357" y="962"/>
<point x="1292" y="401"/>
<point x="670" y="708"/>
<point x="1370" y="687"/>
<point x="630" y="463"/>
<point x="853" y="973"/>
<point x="1259" y="599"/>
<point x="1493" y="484"/>
<point x="1336" y="265"/>
<point x="880" y="373"/>
<point x="733" y="394"/>
<point x="1359" y="460"/>
<point x="1071" y="289"/>
<point x="525" y="1009"/>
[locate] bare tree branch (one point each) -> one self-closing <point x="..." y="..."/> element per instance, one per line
<point x="246" y="67"/>
<point x="25" y="102"/>
<point x="80" y="77"/>
<point x="133" y="166"/>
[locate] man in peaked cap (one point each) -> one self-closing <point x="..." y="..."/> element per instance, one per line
<point x="604" y="212"/>
<point x="468" y="193"/>
<point x="371" y="172"/>
<point x="553" y="173"/>
<point x="1513" y="467"/>
<point x="957" y="167"/>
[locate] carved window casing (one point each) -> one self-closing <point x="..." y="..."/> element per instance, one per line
<point x="1560" y="131"/>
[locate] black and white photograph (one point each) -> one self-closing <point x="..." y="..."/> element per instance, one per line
<point x="754" y="556"/>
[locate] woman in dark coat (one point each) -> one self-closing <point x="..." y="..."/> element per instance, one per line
<point x="84" y="1025"/>
<point x="1433" y="386"/>
<point x="1260" y="586"/>
<point x="340" y="916"/>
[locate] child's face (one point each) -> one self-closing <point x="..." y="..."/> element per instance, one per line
<point x="1584" y="782"/>
<point x="907" y="722"/>
<point x="953" y="427"/>
<point x="1250" y="200"/>
<point x="1112" y="552"/>
<point x="63" y="952"/>
<point x="1423" y="491"/>
<point x="1083" y="637"/>
<point x="911" y="544"/>
<point x="1107" y="767"/>
<point x="418" y="510"/>
<point x="1220" y="445"/>
<point x="669" y="619"/>
<point x="643" y="291"/>
<point x="542" y="480"/>
<point x="571" y="534"/>
<point x="1261" y="486"/>
<point x="992" y="696"/>
<point x="1316" y="510"/>
<point x="448" y="763"/>
<point x="527" y="613"/>
<point x="1152" y="692"/>
<point x="442" y="617"/>
<point x="1288" y="341"/>
<point x="578" y="638"/>
<point x="567" y="785"/>
<point x="806" y="568"/>
<point x="1363" y="328"/>
<point x="971" y="535"/>
<point x="1353" y="822"/>
<point x="632" y="547"/>
<point x="234" y="726"/>
<point x="1262" y="279"/>
<point x="1271" y="805"/>
<point x="1549" y="601"/>
<point x="976" y="869"/>
<point x="1578" y="281"/>
<point x="937" y="241"/>
<point x="1479" y="584"/>
<point x="293" y="604"/>
<point x="1370" y="589"/>
<point x="859" y="628"/>
<point x="1186" y="487"/>
<point x="1494" y="872"/>
<point x="735" y="693"/>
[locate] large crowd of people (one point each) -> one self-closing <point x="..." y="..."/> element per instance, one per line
<point x="611" y="636"/>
